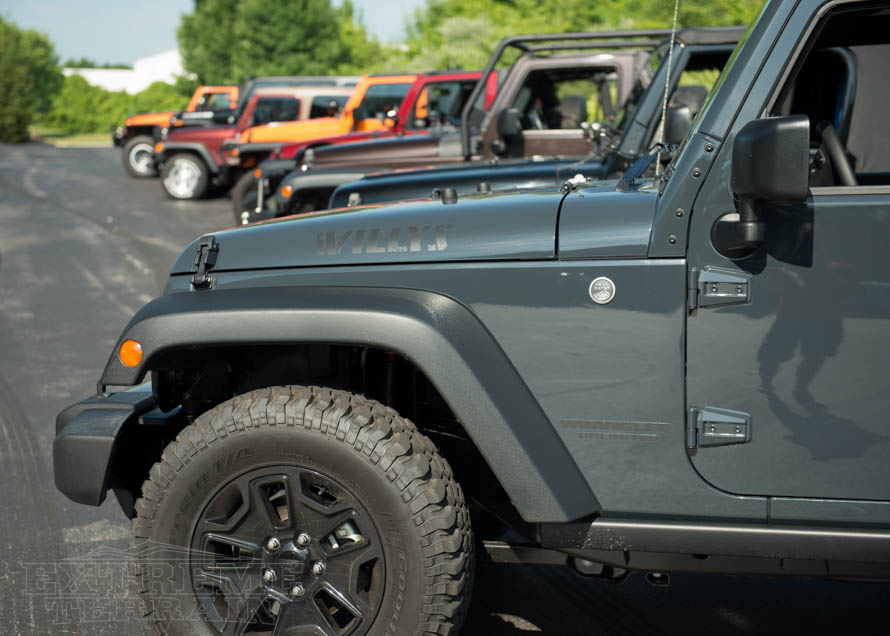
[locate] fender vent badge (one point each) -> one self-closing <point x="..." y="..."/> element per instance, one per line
<point x="602" y="290"/>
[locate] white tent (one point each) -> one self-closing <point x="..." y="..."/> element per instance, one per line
<point x="162" y="67"/>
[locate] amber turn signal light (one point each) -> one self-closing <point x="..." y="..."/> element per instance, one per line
<point x="130" y="353"/>
<point x="286" y="191"/>
<point x="159" y="148"/>
<point x="257" y="174"/>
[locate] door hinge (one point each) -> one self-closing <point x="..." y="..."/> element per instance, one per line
<point x="710" y="426"/>
<point x="714" y="287"/>
<point x="205" y="260"/>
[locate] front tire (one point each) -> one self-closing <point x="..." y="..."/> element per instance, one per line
<point x="185" y="176"/>
<point x="137" y="157"/>
<point x="378" y="506"/>
<point x="245" y="195"/>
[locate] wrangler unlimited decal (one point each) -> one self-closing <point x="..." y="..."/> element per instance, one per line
<point x="429" y="238"/>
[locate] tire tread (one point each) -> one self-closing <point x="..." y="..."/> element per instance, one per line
<point x="407" y="458"/>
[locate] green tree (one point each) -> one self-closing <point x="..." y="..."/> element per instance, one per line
<point x="81" y="107"/>
<point x="85" y="62"/>
<point x="224" y="41"/>
<point x="298" y="37"/>
<point x="29" y="77"/>
<point x="206" y="38"/>
<point x="462" y="33"/>
<point x="358" y="51"/>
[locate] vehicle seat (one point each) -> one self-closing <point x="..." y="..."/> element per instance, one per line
<point x="691" y="96"/>
<point x="573" y="111"/>
<point x="824" y="91"/>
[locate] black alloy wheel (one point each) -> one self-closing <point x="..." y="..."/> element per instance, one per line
<point x="301" y="510"/>
<point x="287" y="548"/>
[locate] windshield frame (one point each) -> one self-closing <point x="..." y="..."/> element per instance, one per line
<point x="709" y="100"/>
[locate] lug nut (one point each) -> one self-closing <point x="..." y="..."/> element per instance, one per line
<point x="318" y="568"/>
<point x="297" y="591"/>
<point x="269" y="575"/>
<point x="273" y="544"/>
<point x="303" y="539"/>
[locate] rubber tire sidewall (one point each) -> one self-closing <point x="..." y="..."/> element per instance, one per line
<point x="203" y="178"/>
<point x="125" y="156"/>
<point x="189" y="492"/>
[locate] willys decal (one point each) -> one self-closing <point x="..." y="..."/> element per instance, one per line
<point x="429" y="238"/>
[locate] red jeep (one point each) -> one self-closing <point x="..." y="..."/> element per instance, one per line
<point x="189" y="158"/>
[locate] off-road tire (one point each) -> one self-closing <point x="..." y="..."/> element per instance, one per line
<point x="201" y="176"/>
<point x="411" y="494"/>
<point x="139" y="143"/>
<point x="244" y="197"/>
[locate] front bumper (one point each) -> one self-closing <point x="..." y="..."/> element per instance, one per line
<point x="86" y="438"/>
<point x="118" y="135"/>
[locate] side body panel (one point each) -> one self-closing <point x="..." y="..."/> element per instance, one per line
<point x="442" y="337"/>
<point x="608" y="378"/>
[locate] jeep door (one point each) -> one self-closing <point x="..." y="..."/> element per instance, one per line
<point x="788" y="348"/>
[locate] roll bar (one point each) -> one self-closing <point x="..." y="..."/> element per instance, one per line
<point x="541" y="42"/>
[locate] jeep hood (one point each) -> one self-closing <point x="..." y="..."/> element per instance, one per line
<point x="516" y="226"/>
<point x="373" y="152"/>
<point x="295" y="131"/>
<point x="150" y="119"/>
<point x="466" y="178"/>
<point x="199" y="134"/>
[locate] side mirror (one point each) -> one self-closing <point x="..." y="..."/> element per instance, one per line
<point x="770" y="164"/>
<point x="677" y="123"/>
<point x="509" y="123"/>
<point x="771" y="161"/>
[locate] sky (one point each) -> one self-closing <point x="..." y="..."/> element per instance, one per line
<point x="122" y="31"/>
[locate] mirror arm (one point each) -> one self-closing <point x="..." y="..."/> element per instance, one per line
<point x="748" y="211"/>
<point x="739" y="237"/>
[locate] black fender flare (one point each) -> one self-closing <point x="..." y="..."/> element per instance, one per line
<point x="277" y="167"/>
<point x="135" y="131"/>
<point x="171" y="148"/>
<point x="437" y="333"/>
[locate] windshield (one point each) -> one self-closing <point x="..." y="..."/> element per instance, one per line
<point x="716" y="87"/>
<point x="646" y="66"/>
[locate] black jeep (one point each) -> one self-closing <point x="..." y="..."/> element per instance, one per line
<point x="679" y="373"/>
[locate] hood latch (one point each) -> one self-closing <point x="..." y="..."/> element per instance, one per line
<point x="205" y="260"/>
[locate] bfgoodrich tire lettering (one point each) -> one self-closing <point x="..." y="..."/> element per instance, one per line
<point x="403" y="492"/>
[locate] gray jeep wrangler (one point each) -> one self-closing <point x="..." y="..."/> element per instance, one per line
<point x="682" y="373"/>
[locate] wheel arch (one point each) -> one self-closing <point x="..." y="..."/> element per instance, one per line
<point x="321" y="183"/>
<point x="199" y="150"/>
<point x="437" y="334"/>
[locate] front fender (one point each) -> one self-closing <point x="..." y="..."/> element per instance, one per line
<point x="171" y="148"/>
<point x="437" y="333"/>
<point x="277" y="167"/>
<point x="302" y="182"/>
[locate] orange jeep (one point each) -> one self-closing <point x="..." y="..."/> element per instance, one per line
<point x="139" y="132"/>
<point x="368" y="108"/>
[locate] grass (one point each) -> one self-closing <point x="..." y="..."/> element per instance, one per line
<point x="62" y="139"/>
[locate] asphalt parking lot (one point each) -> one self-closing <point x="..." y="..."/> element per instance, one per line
<point x="82" y="247"/>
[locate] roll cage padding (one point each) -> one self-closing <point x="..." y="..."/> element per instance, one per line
<point x="442" y="337"/>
